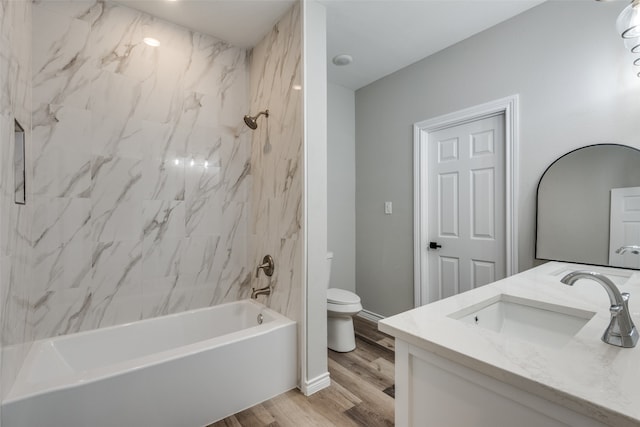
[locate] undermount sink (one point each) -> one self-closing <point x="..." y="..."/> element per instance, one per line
<point x="530" y="320"/>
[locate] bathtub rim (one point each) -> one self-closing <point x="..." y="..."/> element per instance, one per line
<point x="22" y="389"/>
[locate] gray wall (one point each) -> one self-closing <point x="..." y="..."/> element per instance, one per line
<point x="341" y="182"/>
<point x="576" y="87"/>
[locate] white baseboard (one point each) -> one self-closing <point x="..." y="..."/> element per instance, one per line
<point x="316" y="384"/>
<point x="369" y="315"/>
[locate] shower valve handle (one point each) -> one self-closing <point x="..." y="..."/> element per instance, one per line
<point x="267" y="265"/>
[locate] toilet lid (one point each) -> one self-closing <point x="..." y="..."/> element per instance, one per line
<point x="341" y="296"/>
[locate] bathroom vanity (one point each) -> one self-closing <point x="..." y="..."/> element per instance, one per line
<point x="524" y="351"/>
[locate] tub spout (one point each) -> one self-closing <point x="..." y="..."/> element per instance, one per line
<point x="261" y="291"/>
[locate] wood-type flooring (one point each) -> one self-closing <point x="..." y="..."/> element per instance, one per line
<point x="361" y="391"/>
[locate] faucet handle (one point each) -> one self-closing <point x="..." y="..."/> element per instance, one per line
<point x="634" y="249"/>
<point x="267" y="265"/>
<point x="615" y="310"/>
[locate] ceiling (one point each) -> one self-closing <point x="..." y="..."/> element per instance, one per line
<point x="382" y="36"/>
<point x="242" y="23"/>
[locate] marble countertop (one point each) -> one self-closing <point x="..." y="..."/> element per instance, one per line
<point x="585" y="375"/>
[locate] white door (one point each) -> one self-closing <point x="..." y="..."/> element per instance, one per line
<point x="466" y="206"/>
<point x="624" y="226"/>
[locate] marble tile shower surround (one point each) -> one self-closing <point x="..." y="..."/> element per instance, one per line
<point x="141" y="169"/>
<point x="276" y="162"/>
<point x="15" y="220"/>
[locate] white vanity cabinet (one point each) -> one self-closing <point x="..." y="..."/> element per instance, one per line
<point x="454" y="373"/>
<point x="433" y="391"/>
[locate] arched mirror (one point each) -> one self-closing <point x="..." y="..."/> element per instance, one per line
<point x="589" y="207"/>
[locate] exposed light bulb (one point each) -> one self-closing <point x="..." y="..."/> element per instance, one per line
<point x="628" y="22"/>
<point x="192" y="163"/>
<point x="150" y="41"/>
<point x="206" y="164"/>
<point x="296" y="87"/>
<point x="176" y="162"/>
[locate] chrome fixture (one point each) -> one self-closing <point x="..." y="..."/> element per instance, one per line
<point x="262" y="291"/>
<point x="628" y="26"/>
<point x="621" y="331"/>
<point x="634" y="249"/>
<point x="267" y="265"/>
<point x="252" y="121"/>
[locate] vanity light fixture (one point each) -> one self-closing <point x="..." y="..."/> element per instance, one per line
<point x="150" y="41"/>
<point x="628" y="26"/>
<point x="628" y="23"/>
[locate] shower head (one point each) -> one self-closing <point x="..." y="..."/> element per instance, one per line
<point x="252" y="121"/>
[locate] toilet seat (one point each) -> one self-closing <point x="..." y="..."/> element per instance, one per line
<point x="342" y="297"/>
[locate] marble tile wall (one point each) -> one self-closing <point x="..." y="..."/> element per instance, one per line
<point x="15" y="220"/>
<point x="276" y="162"/>
<point x="141" y="169"/>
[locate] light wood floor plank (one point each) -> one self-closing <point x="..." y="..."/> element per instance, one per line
<point x="369" y="393"/>
<point x="337" y="396"/>
<point x="385" y="369"/>
<point x="371" y="350"/>
<point x="388" y="342"/>
<point x="291" y="411"/>
<point x="256" y="416"/>
<point x="365" y="369"/>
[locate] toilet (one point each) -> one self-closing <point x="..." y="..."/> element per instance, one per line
<point x="342" y="305"/>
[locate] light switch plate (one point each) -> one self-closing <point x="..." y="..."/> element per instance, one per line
<point x="388" y="208"/>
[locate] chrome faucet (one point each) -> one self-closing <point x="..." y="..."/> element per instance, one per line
<point x="634" y="249"/>
<point x="621" y="331"/>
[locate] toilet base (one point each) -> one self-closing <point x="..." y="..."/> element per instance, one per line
<point x="340" y="334"/>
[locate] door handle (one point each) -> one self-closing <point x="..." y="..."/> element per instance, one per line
<point x="434" y="245"/>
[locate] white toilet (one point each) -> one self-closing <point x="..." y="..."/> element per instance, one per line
<point x="342" y="305"/>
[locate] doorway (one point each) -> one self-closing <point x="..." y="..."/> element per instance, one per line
<point x="464" y="180"/>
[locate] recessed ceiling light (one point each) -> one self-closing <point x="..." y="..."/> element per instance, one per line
<point x="343" y="59"/>
<point x="151" y="41"/>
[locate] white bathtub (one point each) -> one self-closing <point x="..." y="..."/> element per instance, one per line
<point x="184" y="370"/>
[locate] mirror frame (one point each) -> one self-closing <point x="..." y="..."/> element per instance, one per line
<point x="536" y="256"/>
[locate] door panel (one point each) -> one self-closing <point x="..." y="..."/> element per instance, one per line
<point x="482" y="143"/>
<point x="482" y="272"/>
<point x="448" y="212"/>
<point x="624" y="226"/>
<point x="449" y="275"/>
<point x="448" y="150"/>
<point x="483" y="205"/>
<point x="466" y="206"/>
